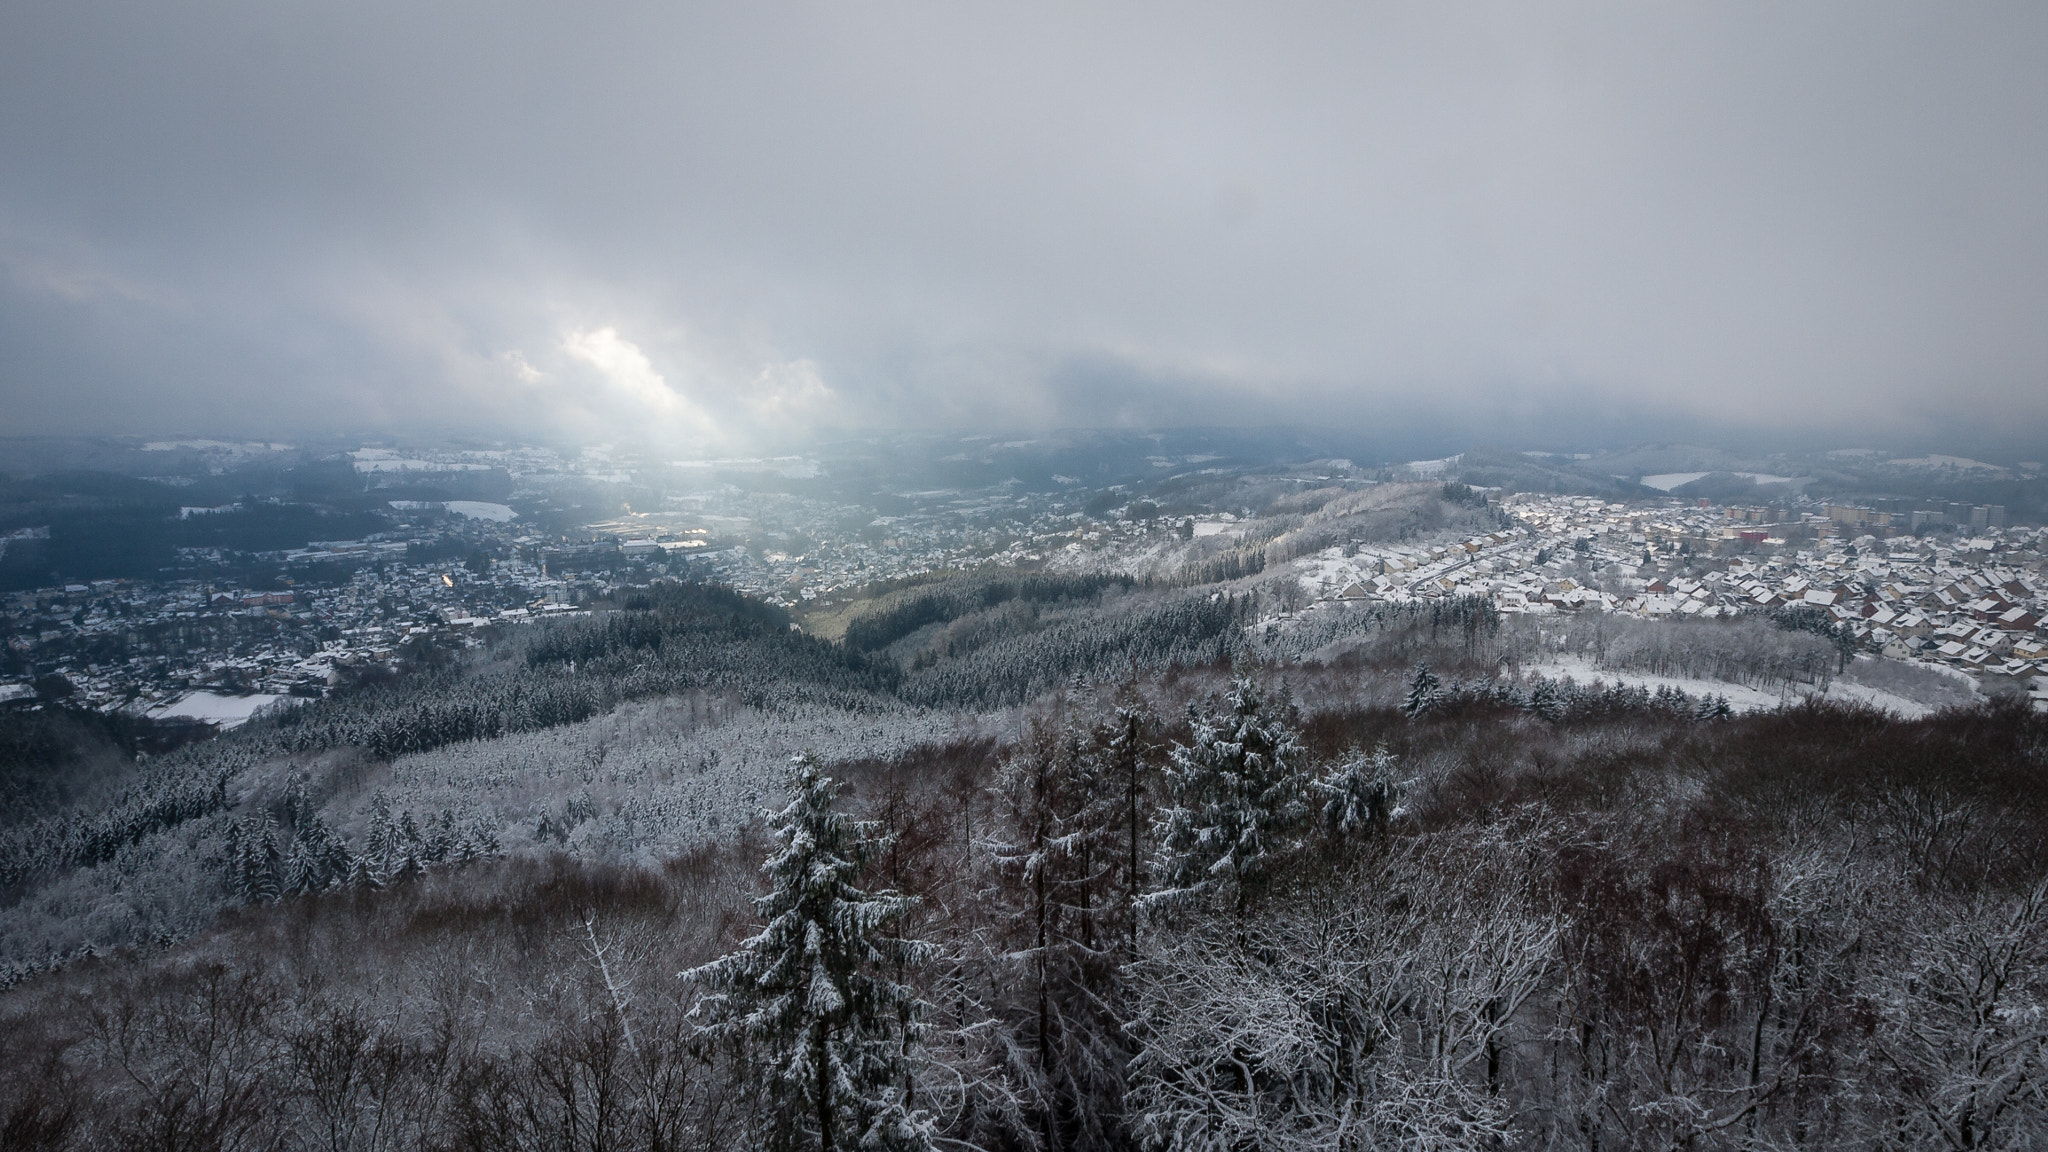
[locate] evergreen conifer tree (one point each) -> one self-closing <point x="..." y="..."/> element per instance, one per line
<point x="232" y="860"/>
<point x="1238" y="797"/>
<point x="410" y="867"/>
<point x="361" y="876"/>
<point x="296" y="805"/>
<point x="380" y="842"/>
<point x="1058" y="867"/>
<point x="298" y="869"/>
<point x="1425" y="693"/>
<point x="261" y="863"/>
<point x="485" y="836"/>
<point x="244" y="860"/>
<point x="1124" y="748"/>
<point x="1546" y="701"/>
<point x="331" y="851"/>
<point x="441" y="837"/>
<point x="1358" y="798"/>
<point x="815" y="993"/>
<point x="409" y="838"/>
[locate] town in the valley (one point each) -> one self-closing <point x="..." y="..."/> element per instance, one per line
<point x="1953" y="586"/>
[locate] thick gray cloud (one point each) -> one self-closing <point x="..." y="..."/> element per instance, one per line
<point x="720" y="222"/>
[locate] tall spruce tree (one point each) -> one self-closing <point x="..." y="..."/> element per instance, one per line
<point x="299" y="867"/>
<point x="380" y="842"/>
<point x="362" y="876"/>
<point x="262" y="864"/>
<point x="1058" y="868"/>
<point x="816" y="995"/>
<point x="1238" y="799"/>
<point x="1546" y="701"/>
<point x="1425" y="693"/>
<point x="1358" y="798"/>
<point x="1124" y="747"/>
<point x="330" y="852"/>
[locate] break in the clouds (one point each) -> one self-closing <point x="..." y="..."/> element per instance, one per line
<point x="632" y="385"/>
<point x="715" y="399"/>
<point x="730" y="223"/>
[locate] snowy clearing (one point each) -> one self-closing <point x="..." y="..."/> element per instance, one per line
<point x="481" y="510"/>
<point x="1740" y="696"/>
<point x="1666" y="481"/>
<point x="226" y="711"/>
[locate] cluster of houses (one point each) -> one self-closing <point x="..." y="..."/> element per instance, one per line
<point x="1971" y="595"/>
<point x="351" y="605"/>
<point x="150" y="646"/>
<point x="943" y="531"/>
<point x="1974" y="600"/>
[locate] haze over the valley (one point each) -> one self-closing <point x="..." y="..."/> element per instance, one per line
<point x="728" y="228"/>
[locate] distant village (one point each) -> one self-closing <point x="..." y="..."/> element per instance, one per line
<point x="346" y="611"/>
<point x="1951" y="585"/>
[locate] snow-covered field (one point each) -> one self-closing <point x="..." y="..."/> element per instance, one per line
<point x="1740" y="696"/>
<point x="226" y="711"/>
<point x="1666" y="481"/>
<point x="1877" y="698"/>
<point x="481" y="510"/>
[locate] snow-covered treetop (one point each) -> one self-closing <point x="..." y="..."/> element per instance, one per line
<point x="1239" y="794"/>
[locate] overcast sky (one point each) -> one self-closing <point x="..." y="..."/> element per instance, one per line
<point x="730" y="222"/>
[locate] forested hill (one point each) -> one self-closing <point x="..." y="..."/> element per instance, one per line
<point x="101" y="846"/>
<point x="111" y="821"/>
<point x="1186" y="912"/>
<point x="1228" y="879"/>
<point x="660" y="641"/>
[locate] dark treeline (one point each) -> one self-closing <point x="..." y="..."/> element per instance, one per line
<point x="1015" y="654"/>
<point x="1242" y="926"/>
<point x="57" y="757"/>
<point x="1235" y="564"/>
<point x="111" y="526"/>
<point x="906" y="612"/>
<point x="666" y="639"/>
<point x="147" y="800"/>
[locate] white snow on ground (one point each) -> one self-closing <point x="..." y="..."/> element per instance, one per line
<point x="226" y="711"/>
<point x="1666" y="481"/>
<point x="480" y="510"/>
<point x="1878" y="698"/>
<point x="1741" y="697"/>
<point x="1959" y="462"/>
<point x="1956" y="674"/>
<point x="1919" y="687"/>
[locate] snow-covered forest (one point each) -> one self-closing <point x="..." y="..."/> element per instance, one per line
<point x="1069" y="863"/>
